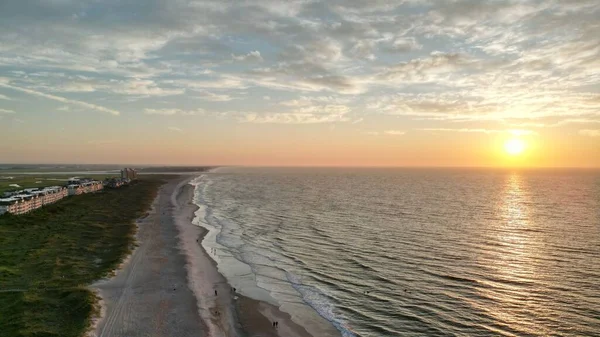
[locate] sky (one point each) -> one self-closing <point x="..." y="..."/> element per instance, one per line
<point x="300" y="83"/>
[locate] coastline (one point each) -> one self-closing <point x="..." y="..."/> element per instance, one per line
<point x="166" y="286"/>
<point x="238" y="315"/>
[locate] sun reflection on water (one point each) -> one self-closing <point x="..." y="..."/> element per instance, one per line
<point x="511" y="260"/>
<point x="515" y="213"/>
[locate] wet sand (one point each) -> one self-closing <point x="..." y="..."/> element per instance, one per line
<point x="257" y="319"/>
<point x="237" y="315"/>
<point x="167" y="286"/>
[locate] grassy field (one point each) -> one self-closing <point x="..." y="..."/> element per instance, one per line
<point x="30" y="181"/>
<point x="50" y="256"/>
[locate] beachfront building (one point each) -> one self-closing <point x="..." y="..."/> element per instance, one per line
<point x="15" y="205"/>
<point x="116" y="182"/>
<point x="74" y="181"/>
<point x="87" y="186"/>
<point x="5" y="205"/>
<point x="128" y="173"/>
<point x="24" y="201"/>
<point x="50" y="195"/>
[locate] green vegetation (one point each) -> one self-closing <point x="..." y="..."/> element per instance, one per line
<point x="30" y="181"/>
<point x="50" y="256"/>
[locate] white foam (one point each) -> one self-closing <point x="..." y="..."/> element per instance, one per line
<point x="321" y="303"/>
<point x="237" y="273"/>
<point x="257" y="269"/>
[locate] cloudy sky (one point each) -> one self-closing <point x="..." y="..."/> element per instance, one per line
<point x="263" y="82"/>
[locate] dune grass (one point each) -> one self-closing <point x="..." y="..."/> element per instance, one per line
<point x="50" y="256"/>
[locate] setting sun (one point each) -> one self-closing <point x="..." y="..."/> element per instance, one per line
<point x="514" y="146"/>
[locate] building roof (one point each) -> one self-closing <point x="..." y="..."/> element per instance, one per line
<point x="9" y="201"/>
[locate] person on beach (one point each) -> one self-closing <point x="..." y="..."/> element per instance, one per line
<point x="215" y="292"/>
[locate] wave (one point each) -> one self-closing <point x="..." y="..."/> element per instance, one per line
<point x="392" y="258"/>
<point x="256" y="272"/>
<point x="321" y="302"/>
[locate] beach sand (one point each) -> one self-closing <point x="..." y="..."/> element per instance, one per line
<point x="149" y="295"/>
<point x="167" y="286"/>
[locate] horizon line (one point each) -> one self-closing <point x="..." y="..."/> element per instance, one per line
<point x="310" y="166"/>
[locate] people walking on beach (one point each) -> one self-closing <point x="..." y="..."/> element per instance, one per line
<point x="215" y="292"/>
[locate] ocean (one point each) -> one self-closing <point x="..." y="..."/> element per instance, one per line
<point x="411" y="252"/>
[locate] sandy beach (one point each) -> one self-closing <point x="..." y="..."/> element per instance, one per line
<point x="169" y="286"/>
<point x="149" y="295"/>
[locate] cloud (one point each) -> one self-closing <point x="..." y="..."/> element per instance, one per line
<point x="171" y="112"/>
<point x="313" y="114"/>
<point x="6" y="111"/>
<point x="64" y="108"/>
<point x="311" y="100"/>
<point x="403" y="45"/>
<point x="62" y="99"/>
<point x="5" y="97"/>
<point x="561" y="122"/>
<point x="174" y="129"/>
<point x="460" y="61"/>
<point x="76" y="87"/>
<point x="253" y="56"/>
<point x="223" y="82"/>
<point x="482" y="130"/>
<point x="212" y="97"/>
<point x="304" y="76"/>
<point x="387" y="132"/>
<point x="130" y="87"/>
<point x="427" y="69"/>
<point x="590" y="133"/>
<point x="295" y="103"/>
<point x="489" y="104"/>
<point x="144" y="87"/>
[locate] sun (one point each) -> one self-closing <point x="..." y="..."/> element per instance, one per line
<point x="514" y="146"/>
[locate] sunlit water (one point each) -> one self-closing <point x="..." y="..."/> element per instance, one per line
<point x="393" y="252"/>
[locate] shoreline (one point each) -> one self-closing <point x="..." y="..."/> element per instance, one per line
<point x="166" y="285"/>
<point x="242" y="316"/>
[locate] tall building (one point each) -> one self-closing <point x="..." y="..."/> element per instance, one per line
<point x="128" y="173"/>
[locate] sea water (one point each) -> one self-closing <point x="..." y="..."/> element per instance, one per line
<point x="393" y="252"/>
